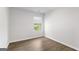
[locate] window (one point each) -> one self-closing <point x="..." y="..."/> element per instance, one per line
<point x="37" y="23"/>
<point x="37" y="27"/>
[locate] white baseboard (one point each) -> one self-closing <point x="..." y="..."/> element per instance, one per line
<point x="24" y="39"/>
<point x="62" y="43"/>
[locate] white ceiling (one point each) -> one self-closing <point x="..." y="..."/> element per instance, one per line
<point x="39" y="9"/>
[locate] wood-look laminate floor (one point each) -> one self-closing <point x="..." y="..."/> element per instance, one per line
<point x="39" y="44"/>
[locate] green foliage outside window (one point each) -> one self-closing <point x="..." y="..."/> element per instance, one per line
<point x="37" y="27"/>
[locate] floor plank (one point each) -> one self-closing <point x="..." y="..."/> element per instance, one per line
<point x="38" y="44"/>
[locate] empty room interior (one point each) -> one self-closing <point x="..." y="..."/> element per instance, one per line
<point x="39" y="28"/>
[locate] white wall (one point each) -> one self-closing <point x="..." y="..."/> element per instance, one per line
<point x="62" y="25"/>
<point x="3" y="27"/>
<point x="21" y="25"/>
